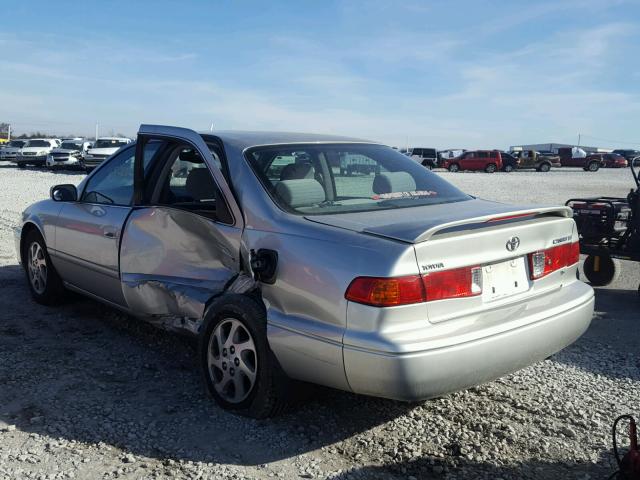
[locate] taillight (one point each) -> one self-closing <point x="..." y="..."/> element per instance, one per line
<point x="386" y="292"/>
<point x="547" y="261"/>
<point x="390" y="292"/>
<point x="456" y="283"/>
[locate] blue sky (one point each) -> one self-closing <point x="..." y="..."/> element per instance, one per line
<point x="475" y="74"/>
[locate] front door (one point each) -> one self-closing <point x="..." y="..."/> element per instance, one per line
<point x="89" y="230"/>
<point x="181" y="244"/>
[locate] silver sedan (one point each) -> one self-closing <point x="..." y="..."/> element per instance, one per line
<point x="325" y="259"/>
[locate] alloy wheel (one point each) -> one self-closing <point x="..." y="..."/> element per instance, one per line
<point x="232" y="360"/>
<point x="37" y="264"/>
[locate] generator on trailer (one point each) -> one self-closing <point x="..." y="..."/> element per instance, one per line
<point x="609" y="229"/>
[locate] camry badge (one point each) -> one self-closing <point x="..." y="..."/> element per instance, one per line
<point x="513" y="243"/>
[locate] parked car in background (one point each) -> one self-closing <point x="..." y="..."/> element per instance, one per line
<point x="532" y="159"/>
<point x="448" y="154"/>
<point x="609" y="160"/>
<point x="397" y="285"/>
<point x="35" y="152"/>
<point x="488" y="160"/>
<point x="629" y="154"/>
<point x="102" y="148"/>
<point x="68" y="154"/>
<point x="353" y="164"/>
<point x="590" y="163"/>
<point x="12" y="149"/>
<point x="427" y="157"/>
<point x="509" y="162"/>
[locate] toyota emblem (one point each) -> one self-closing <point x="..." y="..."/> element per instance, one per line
<point x="513" y="243"/>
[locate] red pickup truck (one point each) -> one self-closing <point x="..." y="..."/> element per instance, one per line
<point x="488" y="160"/>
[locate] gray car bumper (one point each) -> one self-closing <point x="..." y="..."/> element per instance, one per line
<point x="431" y="373"/>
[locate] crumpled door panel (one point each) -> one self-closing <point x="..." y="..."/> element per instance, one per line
<point x="173" y="261"/>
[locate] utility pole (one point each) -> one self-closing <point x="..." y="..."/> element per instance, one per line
<point x="579" y="139"/>
<point x="9" y="133"/>
<point x="211" y="128"/>
<point x="96" y="131"/>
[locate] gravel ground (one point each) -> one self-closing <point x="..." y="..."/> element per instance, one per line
<point x="90" y="393"/>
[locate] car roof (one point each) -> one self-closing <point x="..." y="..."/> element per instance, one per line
<point x="245" y="139"/>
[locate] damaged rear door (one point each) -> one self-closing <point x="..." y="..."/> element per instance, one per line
<point x="181" y="244"/>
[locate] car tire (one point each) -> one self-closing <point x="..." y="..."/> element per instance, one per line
<point x="508" y="168"/>
<point x="250" y="382"/>
<point x="454" y="167"/>
<point x="491" y="168"/>
<point x="22" y="166"/>
<point x="545" y="167"/>
<point x="601" y="270"/>
<point x="44" y="282"/>
<point x="427" y="165"/>
<point x="593" y="167"/>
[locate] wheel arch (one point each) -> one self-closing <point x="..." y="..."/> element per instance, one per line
<point x="27" y="228"/>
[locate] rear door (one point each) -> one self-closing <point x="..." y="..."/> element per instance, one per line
<point x="181" y="244"/>
<point x="467" y="160"/>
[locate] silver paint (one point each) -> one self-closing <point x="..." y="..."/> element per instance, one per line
<point x="171" y="263"/>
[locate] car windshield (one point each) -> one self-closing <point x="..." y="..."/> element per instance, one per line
<point x="16" y="143"/>
<point x="109" y="143"/>
<point x="70" y="146"/>
<point x="342" y="178"/>
<point x="38" y="143"/>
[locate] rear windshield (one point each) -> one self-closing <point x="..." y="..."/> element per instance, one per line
<point x="16" y="143"/>
<point x="343" y="178"/>
<point x="105" y="143"/>
<point x="70" y="146"/>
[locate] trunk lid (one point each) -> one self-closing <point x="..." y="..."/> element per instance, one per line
<point x="493" y="236"/>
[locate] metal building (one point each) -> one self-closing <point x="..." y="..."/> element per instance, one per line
<point x="553" y="147"/>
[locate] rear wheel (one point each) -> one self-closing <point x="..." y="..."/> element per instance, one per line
<point x="454" y="167"/>
<point x="44" y="282"/>
<point x="545" y="167"/>
<point x="427" y="165"/>
<point x="508" y="168"/>
<point x="593" y="166"/>
<point x="491" y="168"/>
<point x="240" y="371"/>
<point x="601" y="270"/>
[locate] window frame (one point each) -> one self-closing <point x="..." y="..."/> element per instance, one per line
<point x="150" y="193"/>
<point x="102" y="166"/>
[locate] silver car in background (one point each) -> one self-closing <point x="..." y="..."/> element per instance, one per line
<point x="68" y="154"/>
<point x="388" y="282"/>
<point x="12" y="149"/>
<point x="102" y="149"/>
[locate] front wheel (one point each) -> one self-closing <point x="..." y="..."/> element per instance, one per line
<point x="593" y="166"/>
<point x="545" y="167"/>
<point x="427" y="165"/>
<point x="508" y="168"/>
<point x="454" y="167"/>
<point x="241" y="372"/>
<point x="601" y="270"/>
<point x="44" y="282"/>
<point x="491" y="168"/>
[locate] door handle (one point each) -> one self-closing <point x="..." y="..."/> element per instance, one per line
<point x="109" y="234"/>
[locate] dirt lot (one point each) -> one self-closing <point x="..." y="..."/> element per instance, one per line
<point x="89" y="393"/>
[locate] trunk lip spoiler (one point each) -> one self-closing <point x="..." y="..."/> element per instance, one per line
<point x="518" y="214"/>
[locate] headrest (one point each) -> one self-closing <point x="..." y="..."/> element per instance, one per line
<point x="296" y="171"/>
<point x="200" y="185"/>
<point x="390" y="182"/>
<point x="190" y="155"/>
<point x="300" y="193"/>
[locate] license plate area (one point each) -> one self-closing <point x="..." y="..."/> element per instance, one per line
<point x="504" y="279"/>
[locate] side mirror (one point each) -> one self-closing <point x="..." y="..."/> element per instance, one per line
<point x="64" y="193"/>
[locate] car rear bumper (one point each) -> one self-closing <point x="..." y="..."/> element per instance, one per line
<point x="418" y="375"/>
